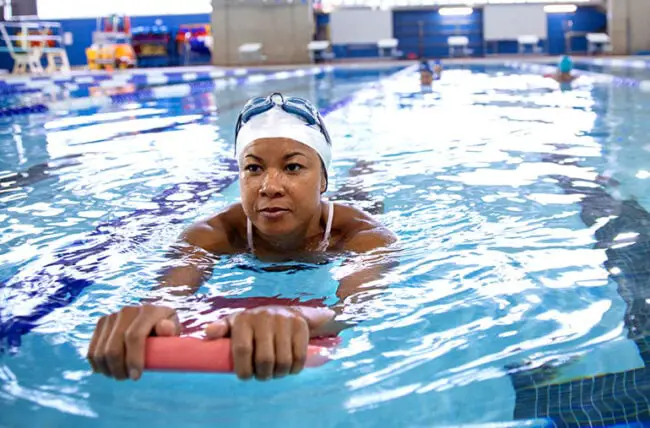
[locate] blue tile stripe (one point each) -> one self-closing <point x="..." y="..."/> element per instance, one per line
<point x="611" y="398"/>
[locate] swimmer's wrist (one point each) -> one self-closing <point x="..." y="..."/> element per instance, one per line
<point x="332" y="328"/>
<point x="341" y="321"/>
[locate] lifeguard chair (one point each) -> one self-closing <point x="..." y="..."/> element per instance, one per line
<point x="27" y="42"/>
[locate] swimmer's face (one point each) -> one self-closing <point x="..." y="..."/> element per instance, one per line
<point x="281" y="182"/>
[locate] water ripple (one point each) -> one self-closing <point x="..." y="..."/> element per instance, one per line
<point x="500" y="265"/>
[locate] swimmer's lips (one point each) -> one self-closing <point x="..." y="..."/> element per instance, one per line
<point x="273" y="213"/>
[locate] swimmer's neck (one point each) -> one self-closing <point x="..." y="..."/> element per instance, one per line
<point x="300" y="241"/>
<point x="294" y="243"/>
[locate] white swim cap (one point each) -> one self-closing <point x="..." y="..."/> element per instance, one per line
<point x="277" y="123"/>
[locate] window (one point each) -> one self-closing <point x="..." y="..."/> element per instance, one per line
<point x="70" y="9"/>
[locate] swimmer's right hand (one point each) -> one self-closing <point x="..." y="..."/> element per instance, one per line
<point x="117" y="347"/>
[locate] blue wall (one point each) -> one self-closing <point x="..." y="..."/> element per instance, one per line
<point x="585" y="19"/>
<point x="436" y="28"/>
<point x="435" y="31"/>
<point x="355" y="51"/>
<point x="588" y="19"/>
<point x="82" y="30"/>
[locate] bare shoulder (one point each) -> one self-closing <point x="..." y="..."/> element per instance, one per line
<point x="360" y="231"/>
<point x="219" y="234"/>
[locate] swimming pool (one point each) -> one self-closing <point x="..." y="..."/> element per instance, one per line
<point x="625" y="72"/>
<point x="521" y="210"/>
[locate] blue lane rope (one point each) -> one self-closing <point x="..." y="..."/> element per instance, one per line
<point x="147" y="93"/>
<point x="600" y="77"/>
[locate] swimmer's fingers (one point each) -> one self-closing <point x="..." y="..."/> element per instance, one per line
<point x="264" y="347"/>
<point x="217" y="330"/>
<point x="114" y="346"/>
<point x="169" y="326"/>
<point x="150" y="319"/>
<point x="284" y="331"/>
<point x="92" y="348"/>
<point x="102" y="332"/>
<point x="242" y="345"/>
<point x="300" y="341"/>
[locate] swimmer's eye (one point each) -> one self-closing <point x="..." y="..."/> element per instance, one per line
<point x="254" y="168"/>
<point x="294" y="167"/>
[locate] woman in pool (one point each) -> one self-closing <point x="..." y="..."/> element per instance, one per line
<point x="426" y="73"/>
<point x="563" y="73"/>
<point x="283" y="150"/>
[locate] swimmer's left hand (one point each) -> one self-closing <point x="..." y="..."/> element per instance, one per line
<point x="270" y="341"/>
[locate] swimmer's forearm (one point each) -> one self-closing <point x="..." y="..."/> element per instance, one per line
<point x="189" y="267"/>
<point x="357" y="291"/>
<point x="178" y="282"/>
<point x="332" y="328"/>
<point x="337" y="324"/>
<point x="183" y="280"/>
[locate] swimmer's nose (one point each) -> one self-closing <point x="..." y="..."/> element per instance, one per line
<point x="272" y="186"/>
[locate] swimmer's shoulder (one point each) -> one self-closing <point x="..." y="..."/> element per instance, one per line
<point x="222" y="233"/>
<point x="359" y="231"/>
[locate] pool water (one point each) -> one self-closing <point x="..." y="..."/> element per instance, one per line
<point x="626" y="72"/>
<point x="521" y="211"/>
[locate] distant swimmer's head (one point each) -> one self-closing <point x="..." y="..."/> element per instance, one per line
<point x="425" y="67"/>
<point x="283" y="150"/>
<point x="565" y="65"/>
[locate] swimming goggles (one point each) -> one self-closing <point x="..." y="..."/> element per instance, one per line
<point x="292" y="105"/>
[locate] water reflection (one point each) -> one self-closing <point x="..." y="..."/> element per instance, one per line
<point x="493" y="182"/>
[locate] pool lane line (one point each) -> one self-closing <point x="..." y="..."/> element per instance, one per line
<point x="610" y="398"/>
<point x="155" y="92"/>
<point x="105" y="80"/>
<point x="153" y="76"/>
<point x="643" y="85"/>
<point x="94" y="246"/>
<point x="615" y="62"/>
<point x="42" y="171"/>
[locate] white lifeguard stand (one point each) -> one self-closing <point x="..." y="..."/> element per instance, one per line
<point x="598" y="41"/>
<point x="388" y="48"/>
<point x="458" y="44"/>
<point x="27" y="42"/>
<point x="318" y="49"/>
<point x="528" y="42"/>
<point x="251" y="52"/>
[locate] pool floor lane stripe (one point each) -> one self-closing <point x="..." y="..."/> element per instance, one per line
<point x="612" y="398"/>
